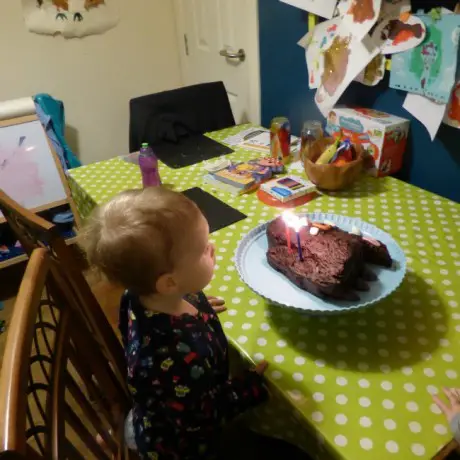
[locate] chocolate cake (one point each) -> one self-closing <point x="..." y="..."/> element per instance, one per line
<point x="334" y="261"/>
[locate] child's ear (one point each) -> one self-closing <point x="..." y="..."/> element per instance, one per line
<point x="166" y="284"/>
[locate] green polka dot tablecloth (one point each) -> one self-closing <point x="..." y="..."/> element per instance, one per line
<point x="356" y="386"/>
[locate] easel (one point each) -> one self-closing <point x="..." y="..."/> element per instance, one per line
<point x="62" y="177"/>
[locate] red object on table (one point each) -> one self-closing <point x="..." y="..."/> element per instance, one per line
<point x="267" y="199"/>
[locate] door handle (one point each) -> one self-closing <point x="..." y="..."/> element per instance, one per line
<point x="241" y="54"/>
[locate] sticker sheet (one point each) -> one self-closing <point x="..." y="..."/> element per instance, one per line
<point x="319" y="40"/>
<point x="345" y="58"/>
<point x="323" y="8"/>
<point x="430" y="68"/>
<point x="395" y="35"/>
<point x="361" y="16"/>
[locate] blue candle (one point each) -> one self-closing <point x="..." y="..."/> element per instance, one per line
<point x="299" y="247"/>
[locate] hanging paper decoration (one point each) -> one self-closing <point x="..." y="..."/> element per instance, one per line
<point x="323" y="8"/>
<point x="71" y="18"/>
<point x="430" y="68"/>
<point x="361" y="16"/>
<point x="452" y="115"/>
<point x="396" y="34"/>
<point x="374" y="72"/>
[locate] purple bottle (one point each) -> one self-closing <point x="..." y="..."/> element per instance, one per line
<point x="148" y="162"/>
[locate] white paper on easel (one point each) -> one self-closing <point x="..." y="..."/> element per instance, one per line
<point x="17" y="108"/>
<point x="428" y="112"/>
<point x="361" y="16"/>
<point x="323" y="8"/>
<point x="345" y="59"/>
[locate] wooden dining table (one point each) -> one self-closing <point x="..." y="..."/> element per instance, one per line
<point x="348" y="386"/>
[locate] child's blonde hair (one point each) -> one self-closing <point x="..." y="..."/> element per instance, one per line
<point x="138" y="236"/>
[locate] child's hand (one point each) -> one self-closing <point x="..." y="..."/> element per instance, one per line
<point x="217" y="304"/>
<point x="453" y="408"/>
<point x="261" y="367"/>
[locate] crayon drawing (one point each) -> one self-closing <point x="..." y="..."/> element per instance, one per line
<point x="361" y="16"/>
<point x="429" y="69"/>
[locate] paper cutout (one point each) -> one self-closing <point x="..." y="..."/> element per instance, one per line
<point x="320" y="38"/>
<point x="361" y="16"/>
<point x="428" y="112"/>
<point x="396" y="36"/>
<point x="323" y="8"/>
<point x="395" y="7"/>
<point x="452" y="115"/>
<point x="343" y="61"/>
<point x="429" y="69"/>
<point x="71" y="18"/>
<point x="374" y="71"/>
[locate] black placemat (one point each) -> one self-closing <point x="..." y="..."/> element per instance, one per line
<point x="218" y="213"/>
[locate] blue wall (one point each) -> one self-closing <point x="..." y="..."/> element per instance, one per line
<point x="434" y="166"/>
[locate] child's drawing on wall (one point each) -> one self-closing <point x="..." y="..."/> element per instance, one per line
<point x="71" y="18"/>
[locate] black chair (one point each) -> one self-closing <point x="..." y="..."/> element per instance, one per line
<point x="173" y="123"/>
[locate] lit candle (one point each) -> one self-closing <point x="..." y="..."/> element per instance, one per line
<point x="297" y="225"/>
<point x="289" y="218"/>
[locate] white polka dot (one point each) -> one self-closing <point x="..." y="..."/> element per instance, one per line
<point x="366" y="443"/>
<point x="232" y="312"/>
<point x="448" y="358"/>
<point x="259" y="356"/>
<point x="409" y="387"/>
<point x="440" y="429"/>
<point x="265" y="327"/>
<point x="341" y="399"/>
<point x="418" y="449"/>
<point x="392" y="447"/>
<point x="321" y="347"/>
<point x="281" y="343"/>
<point x="236" y="300"/>
<point x="228" y="325"/>
<point x="240" y="289"/>
<point x="415" y="427"/>
<point x="412" y="406"/>
<point x="250" y="314"/>
<point x="364" y="402"/>
<point x="318" y="397"/>
<point x="387" y="386"/>
<point x="342" y="381"/>
<point x="276" y="375"/>
<point x="299" y="360"/>
<point x="365" y="422"/>
<point x="320" y="363"/>
<point x="451" y="374"/>
<point x="298" y="377"/>
<point x="317" y="417"/>
<point x="363" y="383"/>
<point x="242" y="339"/>
<point x="253" y="302"/>
<point x="319" y="378"/>
<point x="388" y="404"/>
<point x="261" y="342"/>
<point x="341" y="440"/>
<point x="341" y="419"/>
<point x="223" y="288"/>
<point x="429" y="372"/>
<point x="279" y="358"/>
<point x="435" y="409"/>
<point x="246" y="326"/>
<point x="389" y="424"/>
<point x="363" y="367"/>
<point x="432" y="390"/>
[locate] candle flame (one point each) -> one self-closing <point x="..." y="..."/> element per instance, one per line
<point x="293" y="221"/>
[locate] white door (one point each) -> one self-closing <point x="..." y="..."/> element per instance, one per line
<point x="219" y="41"/>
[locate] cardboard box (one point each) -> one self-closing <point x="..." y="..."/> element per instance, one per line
<point x="382" y="135"/>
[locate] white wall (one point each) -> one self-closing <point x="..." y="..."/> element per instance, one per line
<point x="94" y="76"/>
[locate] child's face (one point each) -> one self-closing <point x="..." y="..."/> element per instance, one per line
<point x="196" y="266"/>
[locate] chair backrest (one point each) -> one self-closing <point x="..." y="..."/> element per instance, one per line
<point x="57" y="389"/>
<point x="35" y="232"/>
<point x="197" y="109"/>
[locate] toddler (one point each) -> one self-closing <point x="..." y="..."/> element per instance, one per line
<point x="154" y="242"/>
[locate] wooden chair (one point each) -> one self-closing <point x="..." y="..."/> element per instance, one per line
<point x="35" y="232"/>
<point x="57" y="389"/>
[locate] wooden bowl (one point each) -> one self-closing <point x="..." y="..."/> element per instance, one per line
<point x="332" y="177"/>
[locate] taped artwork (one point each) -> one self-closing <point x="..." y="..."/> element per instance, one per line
<point x="374" y="72"/>
<point x="396" y="34"/>
<point x="318" y="41"/>
<point x="346" y="57"/>
<point x="452" y="115"/>
<point x="361" y="16"/>
<point x="71" y="18"/>
<point x="430" y="68"/>
<point x="323" y="8"/>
